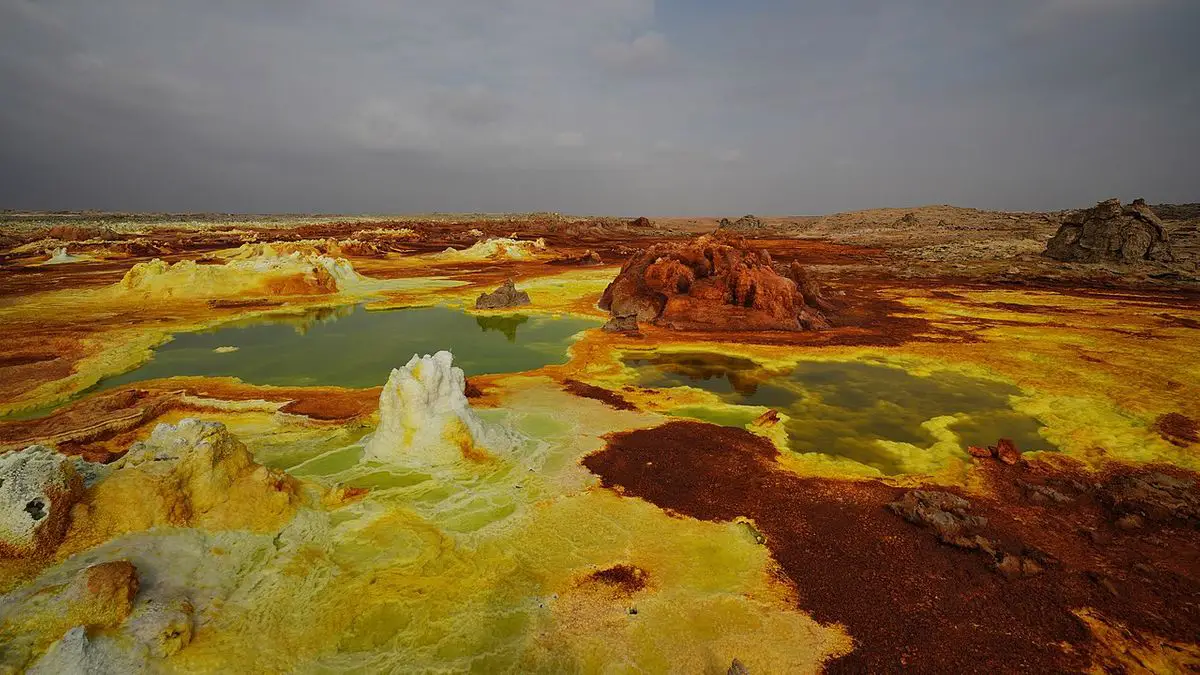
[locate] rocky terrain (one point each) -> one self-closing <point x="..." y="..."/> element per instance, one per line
<point x="796" y="429"/>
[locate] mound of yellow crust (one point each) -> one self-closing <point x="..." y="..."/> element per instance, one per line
<point x="501" y="248"/>
<point x="306" y="247"/>
<point x="192" y="474"/>
<point x="271" y="273"/>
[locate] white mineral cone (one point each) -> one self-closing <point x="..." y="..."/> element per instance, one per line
<point x="424" y="416"/>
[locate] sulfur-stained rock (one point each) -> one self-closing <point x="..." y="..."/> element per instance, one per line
<point x="164" y="627"/>
<point x="262" y="271"/>
<point x="505" y="296"/>
<point x="1110" y="232"/>
<point x="194" y="473"/>
<point x="498" y="249"/>
<point x="714" y="282"/>
<point x="102" y="595"/>
<point x="38" y="488"/>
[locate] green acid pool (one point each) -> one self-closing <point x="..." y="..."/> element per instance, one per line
<point x="353" y="347"/>
<point x="843" y="408"/>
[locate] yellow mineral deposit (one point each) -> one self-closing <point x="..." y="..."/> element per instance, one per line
<point x="641" y="499"/>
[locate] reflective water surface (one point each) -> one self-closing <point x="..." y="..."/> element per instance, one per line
<point x="845" y="407"/>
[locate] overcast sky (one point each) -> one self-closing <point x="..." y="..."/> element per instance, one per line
<point x="621" y="107"/>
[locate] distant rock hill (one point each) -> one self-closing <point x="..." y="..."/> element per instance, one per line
<point x="1110" y="232"/>
<point x="744" y="224"/>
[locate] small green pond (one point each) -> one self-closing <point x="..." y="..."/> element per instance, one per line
<point x="843" y="408"/>
<point x="353" y="347"/>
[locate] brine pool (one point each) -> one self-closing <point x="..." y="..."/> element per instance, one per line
<point x="851" y="409"/>
<point x="353" y="347"/>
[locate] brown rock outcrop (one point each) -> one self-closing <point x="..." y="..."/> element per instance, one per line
<point x="1153" y="497"/>
<point x="747" y="222"/>
<point x="944" y="513"/>
<point x="715" y="282"/>
<point x="102" y="595"/>
<point x="505" y="296"/>
<point x="1110" y="232"/>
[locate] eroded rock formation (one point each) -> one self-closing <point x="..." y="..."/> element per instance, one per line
<point x="505" y="296"/>
<point x="425" y="418"/>
<point x="1110" y="232"/>
<point x="715" y="282"/>
<point x="746" y="222"/>
<point x="38" y="487"/>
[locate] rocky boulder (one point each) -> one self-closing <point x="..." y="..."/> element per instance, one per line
<point x="714" y="282"/>
<point x="101" y="596"/>
<point x="505" y="296"/>
<point x="1110" y="232"/>
<point x="1154" y="497"/>
<point x="945" y="514"/>
<point x="746" y="222"/>
<point x="38" y="487"/>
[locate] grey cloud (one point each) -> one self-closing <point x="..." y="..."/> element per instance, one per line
<point x="644" y="53"/>
<point x="616" y="106"/>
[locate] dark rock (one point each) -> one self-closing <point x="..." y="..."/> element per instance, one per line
<point x="943" y="513"/>
<point x="641" y="222"/>
<point x="505" y="296"/>
<point x="1043" y="494"/>
<point x="746" y="222"/>
<point x="737" y="668"/>
<point x="1155" y="497"/>
<point x="588" y="257"/>
<point x="1109" y="232"/>
<point x="621" y="324"/>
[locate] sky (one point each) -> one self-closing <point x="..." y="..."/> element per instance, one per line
<point x="619" y="107"/>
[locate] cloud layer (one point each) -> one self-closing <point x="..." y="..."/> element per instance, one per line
<point x="595" y="106"/>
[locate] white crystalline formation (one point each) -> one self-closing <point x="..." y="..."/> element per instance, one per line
<point x="424" y="416"/>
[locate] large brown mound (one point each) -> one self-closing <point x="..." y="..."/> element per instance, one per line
<point x="715" y="282"/>
<point x="1109" y="232"/>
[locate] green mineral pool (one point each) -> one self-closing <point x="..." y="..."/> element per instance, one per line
<point x="353" y="347"/>
<point x="843" y="408"/>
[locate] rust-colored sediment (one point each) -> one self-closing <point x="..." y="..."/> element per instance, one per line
<point x="628" y="579"/>
<point x="606" y="396"/>
<point x="910" y="602"/>
<point x="1178" y="429"/>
